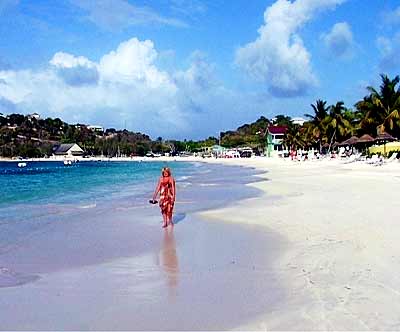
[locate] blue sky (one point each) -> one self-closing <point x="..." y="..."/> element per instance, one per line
<point x="191" y="68"/>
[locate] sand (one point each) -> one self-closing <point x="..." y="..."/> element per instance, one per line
<point x="317" y="249"/>
<point x="341" y="268"/>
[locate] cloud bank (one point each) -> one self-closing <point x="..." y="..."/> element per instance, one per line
<point x="126" y="87"/>
<point x="278" y="57"/>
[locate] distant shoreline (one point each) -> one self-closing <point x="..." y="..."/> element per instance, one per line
<point x="80" y="159"/>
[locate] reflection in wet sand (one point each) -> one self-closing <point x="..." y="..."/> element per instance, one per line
<point x="169" y="260"/>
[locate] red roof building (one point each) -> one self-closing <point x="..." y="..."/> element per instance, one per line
<point x="276" y="130"/>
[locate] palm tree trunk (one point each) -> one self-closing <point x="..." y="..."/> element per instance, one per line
<point x="332" y="138"/>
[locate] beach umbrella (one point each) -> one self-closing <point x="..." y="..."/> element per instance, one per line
<point x="384" y="137"/>
<point x="365" y="140"/>
<point x="351" y="141"/>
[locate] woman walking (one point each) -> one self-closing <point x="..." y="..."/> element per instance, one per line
<point x="166" y="188"/>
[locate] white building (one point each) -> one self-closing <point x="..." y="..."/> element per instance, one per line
<point x="68" y="150"/>
<point x="298" y="121"/>
<point x="34" y="116"/>
<point x="96" y="129"/>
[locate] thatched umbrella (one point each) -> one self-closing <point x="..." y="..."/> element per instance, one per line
<point x="365" y="140"/>
<point x="384" y="137"/>
<point x="351" y="141"/>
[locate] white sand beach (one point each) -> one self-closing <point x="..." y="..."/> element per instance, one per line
<point x="341" y="268"/>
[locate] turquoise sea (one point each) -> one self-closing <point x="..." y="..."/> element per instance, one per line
<point x="83" y="182"/>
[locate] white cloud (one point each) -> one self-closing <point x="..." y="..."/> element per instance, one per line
<point x="120" y="14"/>
<point x="339" y="41"/>
<point x="278" y="56"/>
<point x="130" y="89"/>
<point x="75" y="71"/>
<point x="133" y="61"/>
<point x="390" y="50"/>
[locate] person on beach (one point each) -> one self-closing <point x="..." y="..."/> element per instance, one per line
<point x="166" y="188"/>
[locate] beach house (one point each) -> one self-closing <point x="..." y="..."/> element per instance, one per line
<point x="275" y="135"/>
<point x="68" y="150"/>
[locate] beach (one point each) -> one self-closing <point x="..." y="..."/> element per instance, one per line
<point x="110" y="265"/>
<point x="258" y="244"/>
<point x="340" y="270"/>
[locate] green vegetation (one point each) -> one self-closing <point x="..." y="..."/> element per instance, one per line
<point x="377" y="112"/>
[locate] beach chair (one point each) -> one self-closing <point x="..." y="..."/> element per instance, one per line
<point x="392" y="158"/>
<point x="352" y="158"/>
<point x="375" y="160"/>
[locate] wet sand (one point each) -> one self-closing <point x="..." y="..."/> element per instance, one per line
<point x="115" y="268"/>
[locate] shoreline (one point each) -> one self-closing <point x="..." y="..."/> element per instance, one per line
<point x="100" y="158"/>
<point x="198" y="263"/>
<point x="341" y="223"/>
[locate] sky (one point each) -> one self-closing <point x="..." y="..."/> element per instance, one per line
<point x="191" y="68"/>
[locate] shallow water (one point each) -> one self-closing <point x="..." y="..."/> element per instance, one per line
<point x="111" y="266"/>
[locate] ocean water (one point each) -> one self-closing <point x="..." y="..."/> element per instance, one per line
<point x="49" y="193"/>
<point x="81" y="183"/>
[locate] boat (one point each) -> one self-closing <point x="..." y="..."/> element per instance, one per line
<point x="21" y="165"/>
<point x="67" y="162"/>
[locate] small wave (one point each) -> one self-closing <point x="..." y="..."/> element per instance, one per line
<point x="185" y="184"/>
<point x="183" y="178"/>
<point x="88" y="206"/>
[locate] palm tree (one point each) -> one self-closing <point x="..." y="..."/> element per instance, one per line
<point x="294" y="138"/>
<point x="337" y="122"/>
<point x="320" y="114"/>
<point x="381" y="109"/>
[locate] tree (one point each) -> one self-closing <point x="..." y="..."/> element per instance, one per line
<point x="380" y="110"/>
<point x="317" y="120"/>
<point x="282" y="120"/>
<point x="294" y="137"/>
<point x="336" y="122"/>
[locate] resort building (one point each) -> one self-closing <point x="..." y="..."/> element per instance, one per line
<point x="97" y="129"/>
<point x="218" y="150"/>
<point x="298" y="121"/>
<point x="34" y="116"/>
<point x="275" y="135"/>
<point x="68" y="150"/>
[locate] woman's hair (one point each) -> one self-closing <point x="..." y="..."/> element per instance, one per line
<point x="166" y="169"/>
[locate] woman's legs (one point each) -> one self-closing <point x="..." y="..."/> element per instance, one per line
<point x="165" y="219"/>
<point x="170" y="210"/>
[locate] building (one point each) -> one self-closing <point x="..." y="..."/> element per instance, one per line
<point x="34" y="116"/>
<point x="68" y="150"/>
<point x="275" y="135"/>
<point x="298" y="121"/>
<point x="97" y="129"/>
<point x="218" y="151"/>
